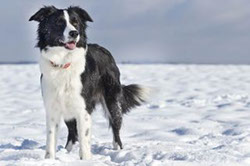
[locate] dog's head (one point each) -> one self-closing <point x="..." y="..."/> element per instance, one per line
<point x="61" y="27"/>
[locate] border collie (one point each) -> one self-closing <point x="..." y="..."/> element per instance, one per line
<point x="75" y="76"/>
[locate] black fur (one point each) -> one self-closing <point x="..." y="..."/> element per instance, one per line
<point x="72" y="131"/>
<point x="130" y="93"/>
<point x="101" y="78"/>
<point x="43" y="13"/>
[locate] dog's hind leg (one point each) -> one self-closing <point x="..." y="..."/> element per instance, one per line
<point x="116" y="126"/>
<point x="116" y="123"/>
<point x="114" y="111"/>
<point x="112" y="96"/>
<point x="72" y="134"/>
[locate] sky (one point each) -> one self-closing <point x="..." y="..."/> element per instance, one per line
<point x="142" y="31"/>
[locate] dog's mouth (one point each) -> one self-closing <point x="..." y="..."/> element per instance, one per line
<point x="71" y="45"/>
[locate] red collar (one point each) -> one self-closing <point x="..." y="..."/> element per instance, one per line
<point x="65" y="66"/>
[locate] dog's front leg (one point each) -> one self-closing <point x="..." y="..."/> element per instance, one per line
<point x="84" y="133"/>
<point x="53" y="122"/>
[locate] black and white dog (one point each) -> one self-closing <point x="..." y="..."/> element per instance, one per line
<point x="75" y="76"/>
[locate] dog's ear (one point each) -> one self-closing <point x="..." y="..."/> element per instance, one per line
<point x="81" y="13"/>
<point x="43" y="13"/>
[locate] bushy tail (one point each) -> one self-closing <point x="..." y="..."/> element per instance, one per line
<point x="133" y="95"/>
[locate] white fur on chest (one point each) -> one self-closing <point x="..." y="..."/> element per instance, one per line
<point x="62" y="87"/>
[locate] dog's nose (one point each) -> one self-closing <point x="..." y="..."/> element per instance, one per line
<point x="73" y="34"/>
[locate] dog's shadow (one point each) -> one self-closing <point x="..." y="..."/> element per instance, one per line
<point x="100" y="149"/>
<point x="26" y="144"/>
<point x="25" y="150"/>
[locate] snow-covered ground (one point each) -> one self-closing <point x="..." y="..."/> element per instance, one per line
<point x="198" y="115"/>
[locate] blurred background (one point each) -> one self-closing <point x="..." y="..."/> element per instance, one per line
<point x="142" y="31"/>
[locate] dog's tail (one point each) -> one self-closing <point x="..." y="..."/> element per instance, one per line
<point x="133" y="95"/>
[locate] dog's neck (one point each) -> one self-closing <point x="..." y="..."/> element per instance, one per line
<point x="55" y="60"/>
<point x="59" y="57"/>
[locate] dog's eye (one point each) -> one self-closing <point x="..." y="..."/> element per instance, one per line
<point x="74" y="22"/>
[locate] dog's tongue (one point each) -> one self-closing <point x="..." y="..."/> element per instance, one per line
<point x="70" y="45"/>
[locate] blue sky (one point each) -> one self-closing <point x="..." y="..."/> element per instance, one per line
<point x="172" y="31"/>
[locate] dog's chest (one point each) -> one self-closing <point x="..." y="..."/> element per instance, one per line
<point x="67" y="83"/>
<point x="62" y="89"/>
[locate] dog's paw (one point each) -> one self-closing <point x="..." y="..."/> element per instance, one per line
<point x="48" y="155"/>
<point x="69" y="146"/>
<point x="85" y="156"/>
<point x="116" y="146"/>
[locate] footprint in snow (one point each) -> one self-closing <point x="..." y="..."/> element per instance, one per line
<point x="153" y="106"/>
<point x="223" y="105"/>
<point x="182" y="131"/>
<point x="178" y="157"/>
<point x="231" y="132"/>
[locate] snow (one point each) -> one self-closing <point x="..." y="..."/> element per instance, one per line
<point x="197" y="115"/>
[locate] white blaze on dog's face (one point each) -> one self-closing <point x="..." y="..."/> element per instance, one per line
<point x="71" y="34"/>
<point x="61" y="32"/>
